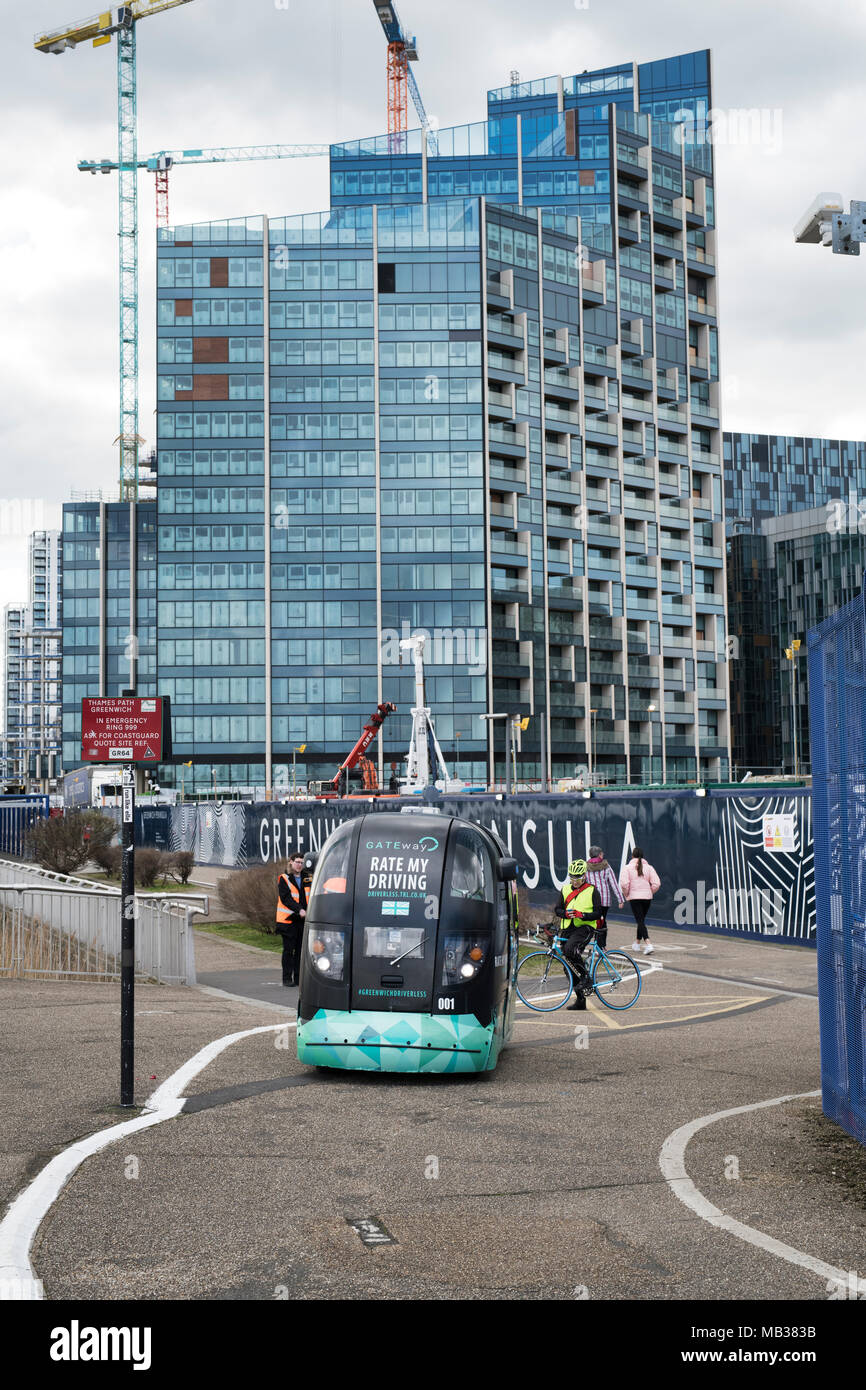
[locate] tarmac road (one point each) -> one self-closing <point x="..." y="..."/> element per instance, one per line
<point x="539" y="1180"/>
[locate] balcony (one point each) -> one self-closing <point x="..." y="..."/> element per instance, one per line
<point x="499" y="290"/>
<point x="634" y="567"/>
<point x="605" y="673"/>
<point x="500" y="404"/>
<point x="502" y="438"/>
<point x="554" y="450"/>
<point x="669" y="241"/>
<point x="555" y="345"/>
<point x="506" y="476"/>
<point x="498" y="326"/>
<point x="631" y="160"/>
<point x="566" y="379"/>
<point x="597" y="495"/>
<point x="515" y="551"/>
<point x="599" y="529"/>
<point x="633" y="368"/>
<point x="603" y="637"/>
<point x="565" y="485"/>
<point x="507" y="364"/>
<point x="505" y="511"/>
<point x="674" y="414"/>
<point x="566" y="588"/>
<point x="701" y="307"/>
<point x="508" y="588"/>
<point x="556" y="413"/>
<point x="698" y="254"/>
<point x="672" y="446"/>
<point x="665" y="207"/>
<point x="631" y="502"/>
<point x="633" y="468"/>
<point x="596" y="425"/>
<point x="594" y="355"/>
<point x="706" y="412"/>
<point x="628" y="226"/>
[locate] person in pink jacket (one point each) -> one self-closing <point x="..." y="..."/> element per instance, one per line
<point x="639" y="883"/>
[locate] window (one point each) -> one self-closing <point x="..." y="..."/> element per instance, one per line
<point x="471" y="868"/>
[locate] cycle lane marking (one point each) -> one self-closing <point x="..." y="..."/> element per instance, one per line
<point x="716" y="1008"/>
<point x="28" y="1210"/>
<point x="673" y="1166"/>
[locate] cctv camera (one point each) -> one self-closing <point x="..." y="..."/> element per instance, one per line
<point x="815" y="224"/>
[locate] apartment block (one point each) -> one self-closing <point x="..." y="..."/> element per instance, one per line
<point x="477" y="397"/>
<point x="31" y="671"/>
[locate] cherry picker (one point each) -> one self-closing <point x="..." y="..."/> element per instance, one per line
<point x="339" y="784"/>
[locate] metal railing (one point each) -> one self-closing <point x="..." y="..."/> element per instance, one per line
<point x="58" y="926"/>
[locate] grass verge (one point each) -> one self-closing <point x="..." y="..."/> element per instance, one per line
<point x="243" y="933"/>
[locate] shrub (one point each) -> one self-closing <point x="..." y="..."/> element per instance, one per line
<point x="149" y="865"/>
<point x="180" y="865"/>
<point x="109" y="860"/>
<point x="60" y="844"/>
<point x="251" y="895"/>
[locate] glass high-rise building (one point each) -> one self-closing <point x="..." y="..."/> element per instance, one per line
<point x="31" y="671"/>
<point x="478" y="397"/>
<point x="100" y="643"/>
<point x="796" y="521"/>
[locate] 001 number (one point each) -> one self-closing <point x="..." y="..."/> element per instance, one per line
<point x="445" y="1004"/>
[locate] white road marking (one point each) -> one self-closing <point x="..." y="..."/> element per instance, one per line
<point x="740" y="984"/>
<point x="25" y="1215"/>
<point x="672" y="1164"/>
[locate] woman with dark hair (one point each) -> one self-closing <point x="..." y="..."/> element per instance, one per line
<point x="639" y="883"/>
<point x="601" y="876"/>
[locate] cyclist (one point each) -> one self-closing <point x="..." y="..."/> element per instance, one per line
<point x="580" y="907"/>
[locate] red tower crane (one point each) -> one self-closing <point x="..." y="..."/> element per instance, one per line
<point x="401" y="84"/>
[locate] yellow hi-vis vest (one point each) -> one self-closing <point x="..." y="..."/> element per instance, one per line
<point x="579" y="900"/>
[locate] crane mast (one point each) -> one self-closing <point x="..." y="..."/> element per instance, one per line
<point x="121" y="21"/>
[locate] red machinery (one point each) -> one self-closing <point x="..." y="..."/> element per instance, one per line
<point x="327" y="790"/>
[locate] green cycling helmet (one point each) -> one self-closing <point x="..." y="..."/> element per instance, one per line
<point x="577" y="868"/>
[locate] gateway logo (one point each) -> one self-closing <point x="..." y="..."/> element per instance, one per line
<point x="77" y="1343"/>
<point x="427" y="842"/>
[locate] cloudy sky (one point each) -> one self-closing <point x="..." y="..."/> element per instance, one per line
<point x="231" y="72"/>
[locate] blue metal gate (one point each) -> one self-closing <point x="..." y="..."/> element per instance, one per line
<point x="837" y="716"/>
<point x="18" y="814"/>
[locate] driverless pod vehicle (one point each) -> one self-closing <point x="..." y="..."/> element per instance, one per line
<point x="410" y="947"/>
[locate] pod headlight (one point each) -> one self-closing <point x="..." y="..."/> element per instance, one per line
<point x="327" y="950"/>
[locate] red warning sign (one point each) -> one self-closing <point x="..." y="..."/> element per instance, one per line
<point x="126" y="729"/>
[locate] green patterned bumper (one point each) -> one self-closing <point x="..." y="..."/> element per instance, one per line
<point x="397" y="1042"/>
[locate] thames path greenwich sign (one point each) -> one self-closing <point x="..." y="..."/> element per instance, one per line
<point x="126" y="729"/>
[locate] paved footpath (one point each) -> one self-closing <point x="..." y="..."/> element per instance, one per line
<point x="532" y="1182"/>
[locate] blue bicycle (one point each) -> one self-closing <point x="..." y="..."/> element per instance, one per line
<point x="545" y="982"/>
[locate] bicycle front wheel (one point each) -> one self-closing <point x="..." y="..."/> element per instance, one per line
<point x="543" y="982"/>
<point x="617" y="980"/>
